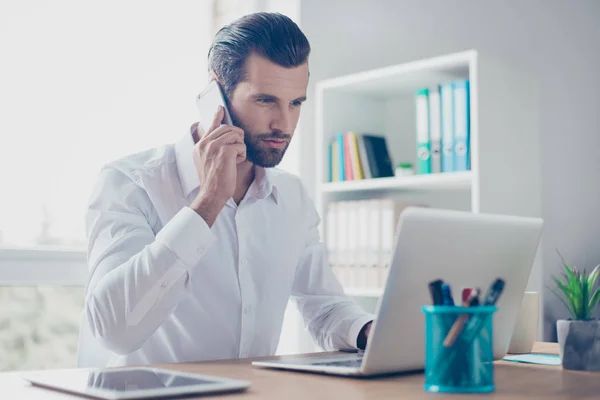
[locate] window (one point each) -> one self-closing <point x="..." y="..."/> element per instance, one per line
<point x="83" y="84"/>
<point x="39" y="326"/>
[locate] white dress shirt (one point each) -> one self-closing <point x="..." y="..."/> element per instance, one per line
<point x="164" y="287"/>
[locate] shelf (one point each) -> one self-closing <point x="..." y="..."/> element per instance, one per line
<point x="388" y="82"/>
<point x="357" y="292"/>
<point x="429" y="181"/>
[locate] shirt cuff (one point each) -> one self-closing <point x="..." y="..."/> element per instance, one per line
<point x="187" y="235"/>
<point x="355" y="328"/>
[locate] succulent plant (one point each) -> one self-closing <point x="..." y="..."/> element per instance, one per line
<point x="578" y="293"/>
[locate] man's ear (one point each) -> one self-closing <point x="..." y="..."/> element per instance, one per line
<point x="212" y="76"/>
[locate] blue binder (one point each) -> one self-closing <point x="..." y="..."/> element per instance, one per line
<point x="435" y="130"/>
<point x="461" y="125"/>
<point x="447" y="112"/>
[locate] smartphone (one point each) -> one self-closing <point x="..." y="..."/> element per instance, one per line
<point x="208" y="101"/>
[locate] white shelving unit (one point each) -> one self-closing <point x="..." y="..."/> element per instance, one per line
<point x="504" y="176"/>
<point x="452" y="180"/>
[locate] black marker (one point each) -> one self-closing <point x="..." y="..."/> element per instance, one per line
<point x="435" y="289"/>
<point x="494" y="292"/>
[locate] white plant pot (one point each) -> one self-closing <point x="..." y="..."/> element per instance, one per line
<point x="579" y="343"/>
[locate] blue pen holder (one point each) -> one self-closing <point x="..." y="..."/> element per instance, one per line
<point x="465" y="364"/>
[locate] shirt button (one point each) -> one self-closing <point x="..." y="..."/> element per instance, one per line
<point x="244" y="260"/>
<point x="163" y="284"/>
<point x="247" y="310"/>
<point x="200" y="250"/>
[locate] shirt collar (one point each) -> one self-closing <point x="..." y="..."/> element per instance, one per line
<point x="263" y="185"/>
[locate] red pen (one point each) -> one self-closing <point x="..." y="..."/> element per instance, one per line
<point x="466" y="292"/>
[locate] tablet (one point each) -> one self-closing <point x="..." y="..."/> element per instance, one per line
<point x="131" y="382"/>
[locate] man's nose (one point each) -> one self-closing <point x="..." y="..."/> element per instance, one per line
<point x="282" y="122"/>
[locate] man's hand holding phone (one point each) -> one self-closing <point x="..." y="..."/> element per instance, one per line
<point x="216" y="155"/>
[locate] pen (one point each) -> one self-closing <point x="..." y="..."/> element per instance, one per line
<point x="447" y="293"/>
<point x="435" y="289"/>
<point x="458" y="325"/>
<point x="494" y="292"/>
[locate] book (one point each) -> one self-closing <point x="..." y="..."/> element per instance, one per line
<point x="356" y="161"/>
<point x="340" y="158"/>
<point x="378" y="156"/>
<point x="348" y="172"/>
<point x="364" y="162"/>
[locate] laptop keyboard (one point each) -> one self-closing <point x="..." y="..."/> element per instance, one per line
<point x="356" y="363"/>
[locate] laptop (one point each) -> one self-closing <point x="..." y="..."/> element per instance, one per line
<point x="465" y="250"/>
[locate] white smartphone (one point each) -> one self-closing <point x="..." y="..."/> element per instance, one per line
<point x="208" y="101"/>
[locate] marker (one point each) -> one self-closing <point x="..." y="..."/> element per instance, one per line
<point x="435" y="289"/>
<point x="447" y="293"/>
<point x="475" y="301"/>
<point x="494" y="292"/>
<point x="465" y="294"/>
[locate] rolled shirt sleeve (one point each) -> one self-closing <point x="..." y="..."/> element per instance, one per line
<point x="136" y="277"/>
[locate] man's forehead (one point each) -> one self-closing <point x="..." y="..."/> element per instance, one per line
<point x="263" y="74"/>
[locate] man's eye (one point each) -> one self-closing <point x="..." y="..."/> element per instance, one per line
<point x="296" y="103"/>
<point x="265" y="100"/>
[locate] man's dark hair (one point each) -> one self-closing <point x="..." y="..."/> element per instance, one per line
<point x="270" y="35"/>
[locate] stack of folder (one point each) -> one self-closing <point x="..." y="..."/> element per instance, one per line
<point x="354" y="156"/>
<point x="360" y="239"/>
<point x="443" y="128"/>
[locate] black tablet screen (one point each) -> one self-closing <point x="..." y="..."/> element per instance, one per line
<point x="129" y="380"/>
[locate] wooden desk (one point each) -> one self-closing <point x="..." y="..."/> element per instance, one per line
<point x="513" y="381"/>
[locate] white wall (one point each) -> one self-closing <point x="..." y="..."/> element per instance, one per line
<point x="555" y="42"/>
<point x="570" y="100"/>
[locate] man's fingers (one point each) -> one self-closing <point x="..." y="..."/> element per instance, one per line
<point x="224" y="130"/>
<point x="237" y="150"/>
<point x="229" y="137"/>
<point x="241" y="152"/>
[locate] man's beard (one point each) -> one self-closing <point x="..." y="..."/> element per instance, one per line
<point x="256" y="150"/>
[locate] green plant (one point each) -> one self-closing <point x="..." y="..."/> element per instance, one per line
<point x="577" y="288"/>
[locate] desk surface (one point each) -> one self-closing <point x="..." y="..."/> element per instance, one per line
<point x="513" y="381"/>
